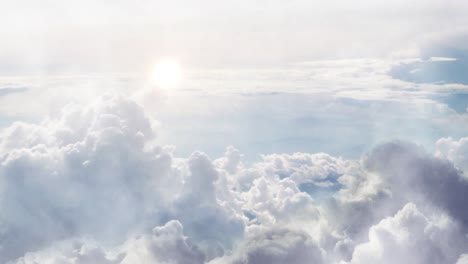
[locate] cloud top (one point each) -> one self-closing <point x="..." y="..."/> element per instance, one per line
<point x="93" y="186"/>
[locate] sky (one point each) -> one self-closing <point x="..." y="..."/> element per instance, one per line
<point x="233" y="132"/>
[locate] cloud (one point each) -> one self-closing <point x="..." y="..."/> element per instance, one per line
<point x="287" y="32"/>
<point x="8" y="90"/>
<point x="165" y="244"/>
<point x="455" y="151"/>
<point x="70" y="253"/>
<point x="92" y="185"/>
<point x="442" y="59"/>
<point x="75" y="175"/>
<point x="319" y="168"/>
<point x="463" y="259"/>
<point x="276" y="245"/>
<point x="412" y="173"/>
<point x="207" y="220"/>
<point x="395" y="173"/>
<point x="94" y="171"/>
<point x="411" y="237"/>
<point x="436" y="70"/>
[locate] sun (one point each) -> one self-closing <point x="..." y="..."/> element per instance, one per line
<point x="166" y="74"/>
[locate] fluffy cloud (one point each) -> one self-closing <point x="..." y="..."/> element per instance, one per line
<point x="411" y="237"/>
<point x="463" y="259"/>
<point x="94" y="171"/>
<point x="455" y="151"/>
<point x="166" y="244"/>
<point x="320" y="169"/>
<point x="277" y="245"/>
<point x="197" y="207"/>
<point x="77" y="174"/>
<point x="414" y="175"/>
<point x="69" y="253"/>
<point x="90" y="185"/>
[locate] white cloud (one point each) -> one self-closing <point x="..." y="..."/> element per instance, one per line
<point x="206" y="219"/>
<point x="442" y="59"/>
<point x="165" y="244"/>
<point x="70" y="252"/>
<point x="411" y="237"/>
<point x="305" y="168"/>
<point x="93" y="182"/>
<point x="95" y="172"/>
<point x="455" y="151"/>
<point x="463" y="259"/>
<point x="282" y="31"/>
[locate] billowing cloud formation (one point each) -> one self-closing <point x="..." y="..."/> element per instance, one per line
<point x="410" y="237"/>
<point x="455" y="151"/>
<point x="166" y="244"/>
<point x="276" y="245"/>
<point x="92" y="186"/>
<point x="94" y="172"/>
<point x="414" y="175"/>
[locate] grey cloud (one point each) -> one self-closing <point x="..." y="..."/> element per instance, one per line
<point x="417" y="175"/>
<point x="198" y="208"/>
<point x="276" y="245"/>
<point x="165" y="244"/>
<point x="388" y="177"/>
<point x="69" y="253"/>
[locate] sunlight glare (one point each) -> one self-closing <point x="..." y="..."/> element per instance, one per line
<point x="166" y="74"/>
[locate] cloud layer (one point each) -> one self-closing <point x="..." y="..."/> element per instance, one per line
<point x="92" y="186"/>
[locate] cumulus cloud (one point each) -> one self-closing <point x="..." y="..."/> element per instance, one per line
<point x="85" y="173"/>
<point x="94" y="171"/>
<point x="69" y="253"/>
<point x="207" y="219"/>
<point x="165" y="244"/>
<point x="415" y="175"/>
<point x="463" y="259"/>
<point x="92" y="186"/>
<point x="276" y="245"/>
<point x="455" y="151"/>
<point x="319" y="169"/>
<point x="411" y="237"/>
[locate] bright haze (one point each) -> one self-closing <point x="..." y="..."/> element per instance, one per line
<point x="234" y="132"/>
